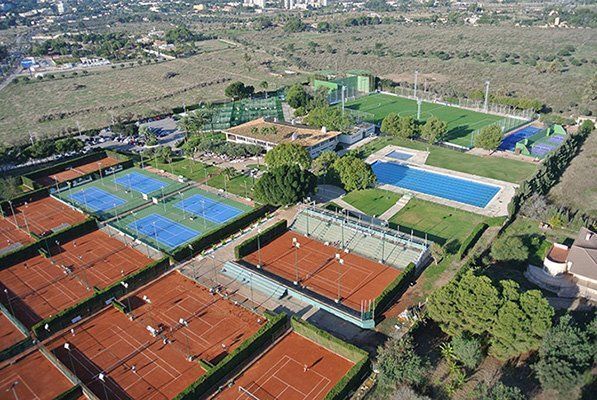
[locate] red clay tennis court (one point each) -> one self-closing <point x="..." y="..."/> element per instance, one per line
<point x="44" y="215"/>
<point x="75" y="172"/>
<point x="9" y="333"/>
<point x="12" y="237"/>
<point x="40" y="287"/>
<point x="32" y="377"/>
<point x="361" y="280"/>
<point x="140" y="365"/>
<point x="295" y="368"/>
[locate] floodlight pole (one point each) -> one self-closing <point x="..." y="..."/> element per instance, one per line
<point x="342" y="94"/>
<point x="296" y="245"/>
<point x="9" y="302"/>
<point x="14" y="215"/>
<point x="486" y="103"/>
<point x="213" y="257"/>
<point x="184" y="216"/>
<point x="416" y="82"/>
<point x="340" y="264"/>
<point x="126" y="287"/>
<point x="70" y="358"/>
<point x="14" y="392"/>
<point x="259" y="247"/>
<point x="99" y="164"/>
<point x="419" y="103"/>
<point x="155" y="234"/>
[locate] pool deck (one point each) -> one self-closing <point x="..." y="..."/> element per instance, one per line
<point x="497" y="207"/>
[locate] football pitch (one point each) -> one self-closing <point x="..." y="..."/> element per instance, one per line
<point x="461" y="123"/>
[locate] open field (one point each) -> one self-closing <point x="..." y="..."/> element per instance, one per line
<point x="92" y="99"/>
<point x="280" y="373"/>
<point x="357" y="280"/>
<point x="441" y="223"/>
<point x="461" y="123"/>
<point x="475" y="55"/>
<point x="139" y="365"/>
<point x="577" y="188"/>
<point x="499" y="168"/>
<point x="193" y="170"/>
<point x="39" y="287"/>
<point x="372" y="201"/>
<point x="240" y="185"/>
<point x="32" y="377"/>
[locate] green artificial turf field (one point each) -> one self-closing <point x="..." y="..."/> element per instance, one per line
<point x="461" y="123"/>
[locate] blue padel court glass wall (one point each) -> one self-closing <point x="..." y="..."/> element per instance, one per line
<point x="457" y="189"/>
<point x="509" y="142"/>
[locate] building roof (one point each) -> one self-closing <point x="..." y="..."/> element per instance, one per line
<point x="283" y="133"/>
<point x="582" y="258"/>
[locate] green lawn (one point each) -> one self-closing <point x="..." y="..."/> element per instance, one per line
<point x="441" y="223"/>
<point x="461" y="122"/>
<point x="240" y="185"/>
<point x="499" y="168"/>
<point x="188" y="168"/>
<point x="372" y="201"/>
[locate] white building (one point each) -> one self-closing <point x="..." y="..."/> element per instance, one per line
<point x="304" y="4"/>
<point x="254" y="3"/>
<point x="569" y="271"/>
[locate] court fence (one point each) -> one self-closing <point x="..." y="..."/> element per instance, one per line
<point x="261" y="239"/>
<point x="7" y="206"/>
<point x="21" y="345"/>
<point x="355" y="375"/>
<point x="275" y="326"/>
<point x="100" y="299"/>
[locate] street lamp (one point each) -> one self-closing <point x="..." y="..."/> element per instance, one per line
<point x="296" y="246"/>
<point x="340" y="264"/>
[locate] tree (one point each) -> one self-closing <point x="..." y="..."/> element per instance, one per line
<point x="509" y="248"/>
<point x="489" y="138"/>
<point x="405" y="127"/>
<point x="467" y="350"/>
<point x="296" y="96"/>
<point x="195" y="121"/>
<point x="437" y="252"/>
<point x="467" y="305"/>
<point x="398" y="363"/>
<point x="354" y="173"/>
<point x="294" y="24"/>
<point x="264" y="85"/>
<point x="521" y="323"/>
<point x="330" y="117"/>
<point x="238" y="90"/>
<point x="288" y="154"/>
<point x="41" y="149"/>
<point x="499" y="391"/>
<point x="565" y="356"/>
<point x="322" y="167"/>
<point x="284" y="185"/>
<point x="433" y="130"/>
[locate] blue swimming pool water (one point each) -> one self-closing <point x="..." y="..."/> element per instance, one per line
<point x="509" y="142"/>
<point x="434" y="184"/>
<point x="399" y="155"/>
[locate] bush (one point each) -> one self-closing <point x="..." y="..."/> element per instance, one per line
<point x="467" y="350"/>
<point x="284" y="185"/>
<point x="509" y="248"/>
<point x="471" y="239"/>
<point x="398" y="364"/>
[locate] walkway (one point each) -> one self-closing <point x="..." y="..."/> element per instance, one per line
<point x="390" y="212"/>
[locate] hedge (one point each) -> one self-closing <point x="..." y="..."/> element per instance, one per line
<point x="73" y="393"/>
<point x="16" y="348"/>
<point x="396" y="287"/>
<point x="267" y="236"/>
<point x="31" y="250"/>
<point x="354" y="377"/>
<point x="214" y="237"/>
<point x="471" y="239"/>
<point x="276" y="323"/>
<point x="98" y="301"/>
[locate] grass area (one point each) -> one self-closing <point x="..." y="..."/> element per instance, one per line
<point x="461" y="122"/>
<point x="499" y="168"/>
<point x="372" y="201"/>
<point x="190" y="169"/>
<point x="441" y="223"/>
<point x="240" y="185"/>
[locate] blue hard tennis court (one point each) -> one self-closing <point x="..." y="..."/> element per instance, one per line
<point x="139" y="182"/>
<point x="399" y="155"/>
<point x="96" y="199"/>
<point x="509" y="142"/>
<point x="207" y="208"/>
<point x="168" y="233"/>
<point x="448" y="187"/>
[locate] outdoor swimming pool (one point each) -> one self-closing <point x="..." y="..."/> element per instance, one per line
<point x="435" y="184"/>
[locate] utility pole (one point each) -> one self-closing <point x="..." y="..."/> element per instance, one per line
<point x="416" y="82"/>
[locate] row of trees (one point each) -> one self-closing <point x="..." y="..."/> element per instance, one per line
<point x="433" y="130"/>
